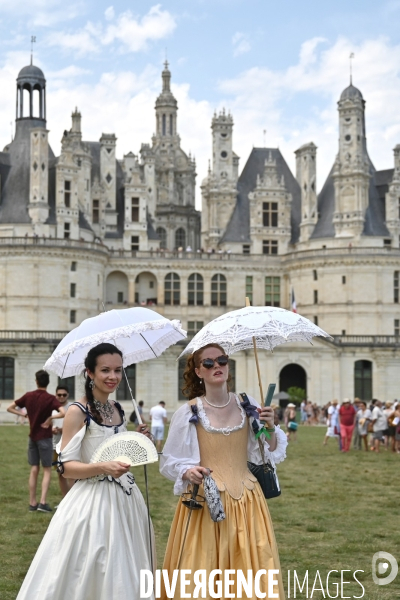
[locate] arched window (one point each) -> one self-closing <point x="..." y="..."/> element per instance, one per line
<point x="172" y="289"/>
<point x="195" y="290"/>
<point x="6" y="378"/>
<point x="164" y="125"/>
<point x="218" y="290"/>
<point x="117" y="288"/>
<point x="180" y="238"/>
<point x="123" y="390"/>
<point x="162" y="234"/>
<point x="363" y="379"/>
<point x="171" y="124"/>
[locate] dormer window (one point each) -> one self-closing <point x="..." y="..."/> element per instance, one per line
<point x="270" y="214"/>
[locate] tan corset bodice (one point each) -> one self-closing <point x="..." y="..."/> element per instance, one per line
<point x="226" y="455"/>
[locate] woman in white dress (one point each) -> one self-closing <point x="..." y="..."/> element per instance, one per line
<point x="332" y="422"/>
<point x="98" y="540"/>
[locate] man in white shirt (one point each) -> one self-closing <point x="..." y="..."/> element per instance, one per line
<point x="379" y="420"/>
<point x="158" y="418"/>
<point x="62" y="395"/>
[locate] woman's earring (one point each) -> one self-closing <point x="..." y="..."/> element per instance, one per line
<point x="201" y="382"/>
<point x="92" y="384"/>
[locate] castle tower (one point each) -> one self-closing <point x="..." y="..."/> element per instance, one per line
<point x="166" y="108"/>
<point x="219" y="188"/>
<point x="351" y="173"/>
<point x="306" y="175"/>
<point x="392" y="201"/>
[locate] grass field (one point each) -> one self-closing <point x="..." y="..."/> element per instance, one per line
<point x="336" y="510"/>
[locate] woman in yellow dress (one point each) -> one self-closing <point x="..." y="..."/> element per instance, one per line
<point x="213" y="432"/>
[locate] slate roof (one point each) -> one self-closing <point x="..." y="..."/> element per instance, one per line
<point x="238" y="229"/>
<point x="375" y="214"/>
<point x="15" y="170"/>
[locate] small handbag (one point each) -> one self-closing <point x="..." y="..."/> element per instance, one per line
<point x="264" y="473"/>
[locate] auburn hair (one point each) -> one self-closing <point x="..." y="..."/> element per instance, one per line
<point x="193" y="387"/>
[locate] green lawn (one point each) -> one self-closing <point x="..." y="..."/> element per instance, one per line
<point x="336" y="510"/>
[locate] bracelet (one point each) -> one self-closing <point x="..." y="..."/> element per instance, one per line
<point x="270" y="430"/>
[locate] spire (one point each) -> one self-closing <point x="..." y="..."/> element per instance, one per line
<point x="351" y="67"/>
<point x="166" y="78"/>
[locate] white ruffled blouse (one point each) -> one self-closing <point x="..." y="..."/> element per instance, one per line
<point x="181" y="451"/>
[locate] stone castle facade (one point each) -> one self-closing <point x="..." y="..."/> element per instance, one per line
<point x="86" y="229"/>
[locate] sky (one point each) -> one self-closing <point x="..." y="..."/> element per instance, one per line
<point x="278" y="68"/>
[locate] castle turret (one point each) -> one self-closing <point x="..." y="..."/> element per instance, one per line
<point x="306" y="175"/>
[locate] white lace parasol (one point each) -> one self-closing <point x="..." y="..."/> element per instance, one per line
<point x="129" y="447"/>
<point x="269" y="325"/>
<point x="140" y="334"/>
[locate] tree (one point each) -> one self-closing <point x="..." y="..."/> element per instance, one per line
<point x="296" y="394"/>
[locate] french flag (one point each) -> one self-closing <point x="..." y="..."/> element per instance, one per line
<point x="294" y="306"/>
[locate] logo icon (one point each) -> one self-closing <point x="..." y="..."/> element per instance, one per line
<point x="381" y="561"/>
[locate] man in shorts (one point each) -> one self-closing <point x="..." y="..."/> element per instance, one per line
<point x="39" y="406"/>
<point x="379" y="420"/>
<point x="158" y="418"/>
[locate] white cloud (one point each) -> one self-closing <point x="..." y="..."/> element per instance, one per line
<point x="128" y="32"/>
<point x="240" y="43"/>
<point x="260" y="98"/>
<point x="42" y="13"/>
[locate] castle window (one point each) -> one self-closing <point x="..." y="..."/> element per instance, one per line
<point x="218" y="290"/>
<point x="246" y="248"/>
<point x="194" y="327"/>
<point x="67" y="193"/>
<point x="363" y="379"/>
<point x="315" y="296"/>
<point x="123" y="392"/>
<point x="270" y="247"/>
<point x="224" y="154"/>
<point x="134" y="243"/>
<point x="343" y="279"/>
<point x="172" y="289"/>
<point x="73" y="265"/>
<point x="120" y="297"/>
<point x="249" y="288"/>
<point x="164" y="125"/>
<point x="72" y="290"/>
<point x="67" y="231"/>
<point x="162" y="234"/>
<point x="72" y="316"/>
<point x="316" y="320"/>
<point x="270" y="214"/>
<point x="397" y="327"/>
<point x="180" y="238"/>
<point x="272" y="291"/>
<point x="347" y="137"/>
<point x="195" y="290"/>
<point x="387" y="243"/>
<point x="135" y="210"/>
<point x="6" y="378"/>
<point x="96" y="211"/>
<point x="315" y="275"/>
<point x="396" y="287"/>
<point x="399" y="208"/>
<point x="171" y="124"/>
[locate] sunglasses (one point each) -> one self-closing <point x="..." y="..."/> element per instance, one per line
<point x="222" y="361"/>
<point x="62" y="395"/>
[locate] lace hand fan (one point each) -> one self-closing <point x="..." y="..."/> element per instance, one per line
<point x="129" y="447"/>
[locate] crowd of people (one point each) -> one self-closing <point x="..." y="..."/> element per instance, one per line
<point x="364" y="425"/>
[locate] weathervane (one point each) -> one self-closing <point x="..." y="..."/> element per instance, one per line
<point x="33" y="41"/>
<point x="351" y="68"/>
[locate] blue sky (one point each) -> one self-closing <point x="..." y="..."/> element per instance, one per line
<point x="276" y="66"/>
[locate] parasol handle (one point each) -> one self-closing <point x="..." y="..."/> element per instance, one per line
<point x="135" y="406"/>
<point x="256" y="357"/>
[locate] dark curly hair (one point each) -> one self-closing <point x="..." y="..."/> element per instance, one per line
<point x="90" y="363"/>
<point x="193" y="387"/>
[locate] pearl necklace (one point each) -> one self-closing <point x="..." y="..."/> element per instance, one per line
<point x="106" y="410"/>
<point x="216" y="405"/>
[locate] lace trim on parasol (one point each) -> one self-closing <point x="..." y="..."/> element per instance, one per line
<point x="124" y="331"/>
<point x="225" y="430"/>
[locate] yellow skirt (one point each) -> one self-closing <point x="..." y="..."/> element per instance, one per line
<point x="244" y="540"/>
